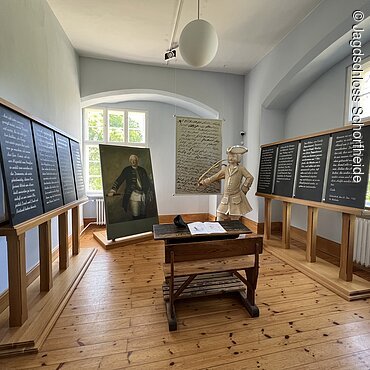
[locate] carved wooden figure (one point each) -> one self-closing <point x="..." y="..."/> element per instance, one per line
<point x="234" y="202"/>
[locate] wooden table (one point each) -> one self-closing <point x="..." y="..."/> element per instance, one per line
<point x="209" y="264"/>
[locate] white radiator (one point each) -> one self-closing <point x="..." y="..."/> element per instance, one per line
<point x="361" y="253"/>
<point x="100" y="212"/>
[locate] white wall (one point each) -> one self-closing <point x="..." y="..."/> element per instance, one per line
<point x="221" y="92"/>
<point x="272" y="129"/>
<point x="38" y="66"/>
<point x="38" y="73"/>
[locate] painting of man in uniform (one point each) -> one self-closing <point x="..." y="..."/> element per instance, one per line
<point x="128" y="187"/>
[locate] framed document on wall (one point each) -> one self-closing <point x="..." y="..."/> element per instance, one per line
<point x="77" y="168"/>
<point x="311" y="168"/>
<point x="19" y="167"/>
<point x="198" y="147"/>
<point x="266" y="170"/>
<point x="341" y="187"/>
<point x="47" y="162"/>
<point x="65" y="168"/>
<point x="285" y="169"/>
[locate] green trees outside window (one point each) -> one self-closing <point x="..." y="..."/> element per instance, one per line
<point x="104" y="126"/>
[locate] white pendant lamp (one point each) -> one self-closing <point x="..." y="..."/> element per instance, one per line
<point x="198" y="42"/>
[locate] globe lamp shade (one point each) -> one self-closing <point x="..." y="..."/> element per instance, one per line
<point x="198" y="43"/>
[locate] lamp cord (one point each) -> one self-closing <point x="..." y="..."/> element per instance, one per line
<point x="198" y="9"/>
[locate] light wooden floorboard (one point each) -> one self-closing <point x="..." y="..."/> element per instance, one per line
<point x="116" y="319"/>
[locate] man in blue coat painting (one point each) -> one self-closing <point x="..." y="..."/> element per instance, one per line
<point x="138" y="191"/>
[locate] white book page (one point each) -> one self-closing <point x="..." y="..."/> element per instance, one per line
<point x="197" y="228"/>
<point x="214" y="228"/>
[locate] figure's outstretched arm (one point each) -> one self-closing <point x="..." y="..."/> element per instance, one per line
<point x="217" y="176"/>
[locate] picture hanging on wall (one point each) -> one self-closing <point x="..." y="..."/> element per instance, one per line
<point x="198" y="147"/>
<point x="128" y="186"/>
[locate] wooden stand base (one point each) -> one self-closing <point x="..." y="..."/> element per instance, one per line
<point x="101" y="238"/>
<point x="323" y="272"/>
<point x="44" y="308"/>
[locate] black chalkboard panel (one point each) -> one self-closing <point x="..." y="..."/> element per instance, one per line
<point x="311" y="168"/>
<point x="47" y="162"/>
<point x="266" y="169"/>
<point x="77" y="168"/>
<point x="19" y="167"/>
<point x="65" y="168"/>
<point x="341" y="187"/>
<point x="285" y="169"/>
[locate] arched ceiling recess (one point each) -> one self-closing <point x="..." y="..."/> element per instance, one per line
<point x="177" y="100"/>
<point x="328" y="52"/>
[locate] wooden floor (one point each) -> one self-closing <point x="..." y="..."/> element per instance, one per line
<point x="116" y="319"/>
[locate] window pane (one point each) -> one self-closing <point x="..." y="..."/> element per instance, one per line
<point x="116" y="126"/>
<point x="93" y="153"/>
<point x="135" y="136"/>
<point x="94" y="168"/>
<point x="96" y="133"/>
<point x="116" y="134"/>
<point x="136" y="127"/>
<point x="116" y="119"/>
<point x="95" y="183"/>
<point x="94" y="124"/>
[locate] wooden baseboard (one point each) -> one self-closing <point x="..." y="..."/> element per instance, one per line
<point x="255" y="227"/>
<point x="258" y="227"/>
<point x="31" y="276"/>
<point x="89" y="220"/>
<point x="323" y="245"/>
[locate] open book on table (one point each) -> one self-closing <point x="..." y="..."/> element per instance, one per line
<point x="197" y="228"/>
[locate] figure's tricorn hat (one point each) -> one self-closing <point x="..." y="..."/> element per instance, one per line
<point x="236" y="149"/>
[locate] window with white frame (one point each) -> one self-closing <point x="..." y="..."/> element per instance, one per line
<point x="109" y="126"/>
